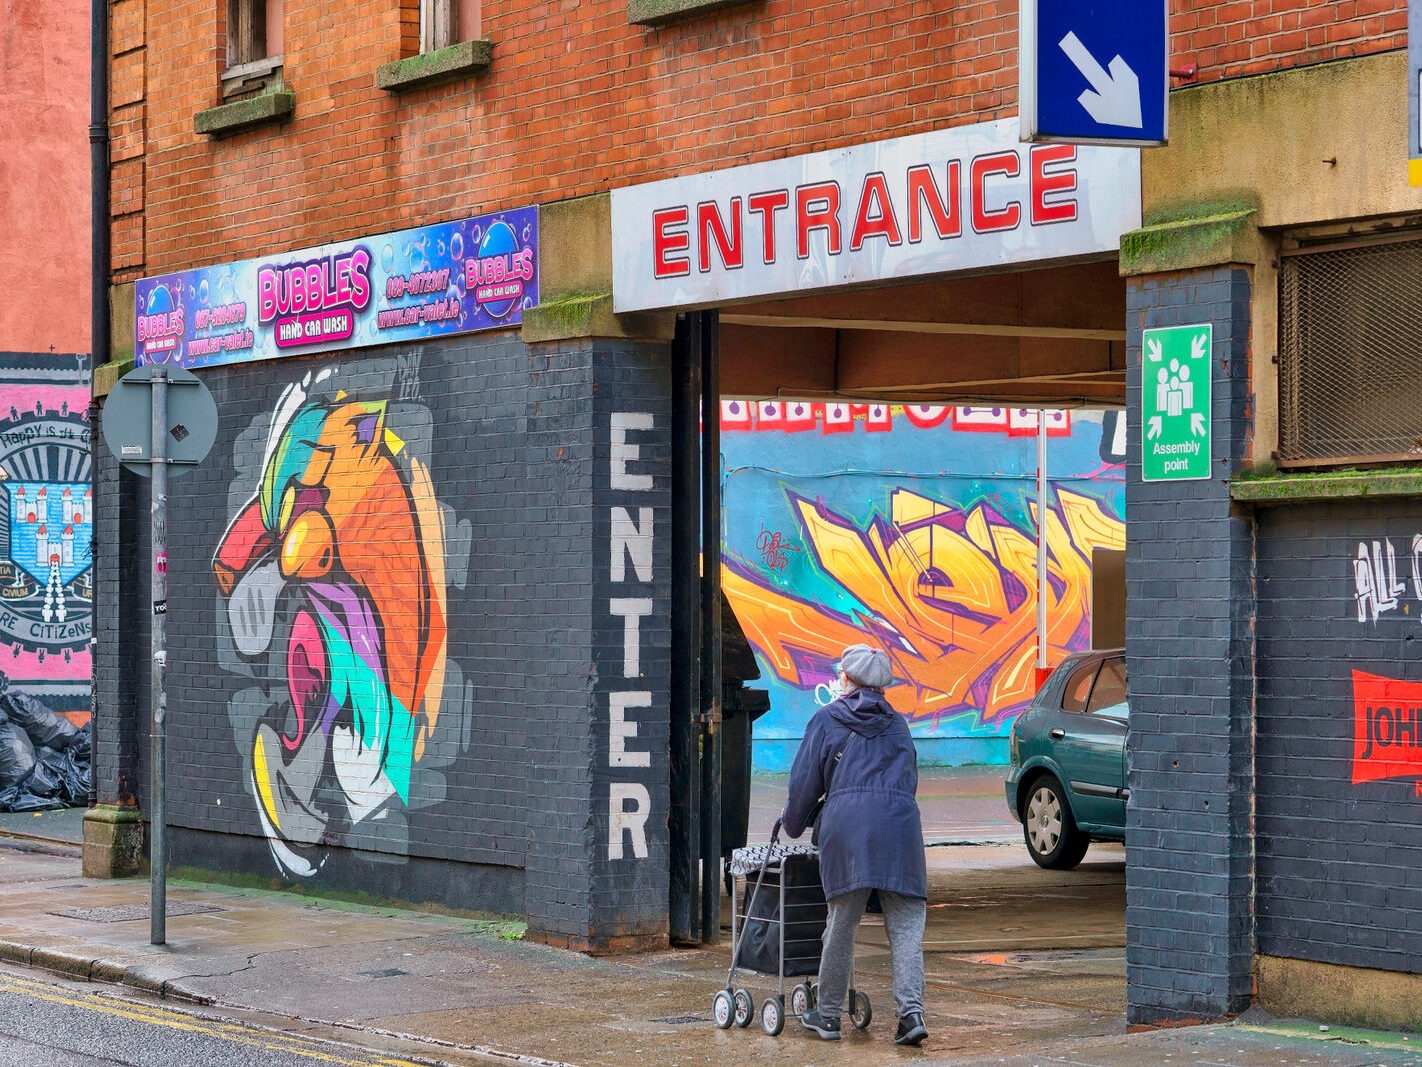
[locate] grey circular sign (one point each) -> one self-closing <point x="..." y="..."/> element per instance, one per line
<point x="128" y="420"/>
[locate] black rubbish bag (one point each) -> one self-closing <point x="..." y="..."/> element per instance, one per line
<point x="18" y="798"/>
<point x="76" y="775"/>
<point x="82" y="743"/>
<point x="47" y="779"/>
<point x="44" y="727"/>
<point x="803" y="916"/>
<point x="17" y="755"/>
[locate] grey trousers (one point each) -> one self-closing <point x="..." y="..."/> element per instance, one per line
<point x="903" y="920"/>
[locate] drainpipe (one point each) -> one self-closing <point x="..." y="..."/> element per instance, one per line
<point x="99" y="326"/>
<point x="99" y="180"/>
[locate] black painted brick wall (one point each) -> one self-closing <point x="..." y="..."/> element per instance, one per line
<point x="1189" y="650"/>
<point x="121" y="661"/>
<point x="1339" y="862"/>
<point x="516" y="442"/>
<point x="630" y="894"/>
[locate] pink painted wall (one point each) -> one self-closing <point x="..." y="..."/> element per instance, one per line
<point x="44" y="177"/>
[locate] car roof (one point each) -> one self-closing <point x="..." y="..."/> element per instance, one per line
<point x="1094" y="653"/>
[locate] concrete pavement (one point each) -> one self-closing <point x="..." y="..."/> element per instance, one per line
<point x="1025" y="967"/>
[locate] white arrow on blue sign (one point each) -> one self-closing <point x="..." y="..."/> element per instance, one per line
<point x="1094" y="71"/>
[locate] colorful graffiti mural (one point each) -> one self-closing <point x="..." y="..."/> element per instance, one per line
<point x="333" y="575"/>
<point x="46" y="522"/>
<point x="917" y="534"/>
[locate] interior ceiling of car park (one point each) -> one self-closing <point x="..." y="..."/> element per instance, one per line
<point x="1049" y="336"/>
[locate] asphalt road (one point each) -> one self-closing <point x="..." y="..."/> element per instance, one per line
<point x="49" y="1024"/>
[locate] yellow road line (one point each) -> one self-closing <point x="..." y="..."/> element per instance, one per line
<point x="272" y="1041"/>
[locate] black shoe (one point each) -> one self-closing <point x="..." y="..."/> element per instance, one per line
<point x="911" y="1030"/>
<point x="828" y="1029"/>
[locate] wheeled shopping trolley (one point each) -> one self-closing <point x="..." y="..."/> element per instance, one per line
<point x="777" y="923"/>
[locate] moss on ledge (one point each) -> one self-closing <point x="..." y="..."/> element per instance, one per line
<point x="580" y="315"/>
<point x="460" y="60"/>
<point x="657" y="12"/>
<point x="1266" y="486"/>
<point x="1221" y="233"/>
<point x="106" y="376"/>
<point x="242" y="114"/>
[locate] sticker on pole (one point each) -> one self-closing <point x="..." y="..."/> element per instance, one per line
<point x="1175" y="403"/>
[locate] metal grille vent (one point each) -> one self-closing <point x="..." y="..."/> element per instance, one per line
<point x="1350" y="353"/>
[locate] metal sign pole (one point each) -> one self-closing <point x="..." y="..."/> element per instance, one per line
<point x="1042" y="586"/>
<point x="158" y="858"/>
<point x="136" y="427"/>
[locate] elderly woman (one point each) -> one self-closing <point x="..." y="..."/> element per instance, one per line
<point x="858" y="755"/>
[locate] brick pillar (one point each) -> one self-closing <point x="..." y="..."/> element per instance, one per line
<point x="1190" y="659"/>
<point x="599" y="434"/>
<point x="113" y="829"/>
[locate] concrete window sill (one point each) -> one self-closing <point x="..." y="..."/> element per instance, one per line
<point x="461" y="60"/>
<point x="244" y="114"/>
<point x="659" y="12"/>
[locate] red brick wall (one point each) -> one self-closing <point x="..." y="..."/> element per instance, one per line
<point x="1254" y="36"/>
<point x="578" y="101"/>
<point x="44" y="177"/>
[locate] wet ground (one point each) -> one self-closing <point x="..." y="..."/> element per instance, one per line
<point x="1024" y="965"/>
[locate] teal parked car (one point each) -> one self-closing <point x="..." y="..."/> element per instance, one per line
<point x="1066" y="778"/>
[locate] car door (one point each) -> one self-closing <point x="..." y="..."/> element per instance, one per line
<point x="1089" y="739"/>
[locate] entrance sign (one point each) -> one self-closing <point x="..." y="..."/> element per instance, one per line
<point x="454" y="277"/>
<point x="1175" y="403"/>
<point x="957" y="199"/>
<point x="1094" y="71"/>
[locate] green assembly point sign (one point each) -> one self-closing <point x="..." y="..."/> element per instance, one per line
<point x="1175" y="403"/>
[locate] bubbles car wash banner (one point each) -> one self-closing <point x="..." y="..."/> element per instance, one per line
<point x="454" y="277"/>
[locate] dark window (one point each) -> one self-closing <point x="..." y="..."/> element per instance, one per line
<point x="1078" y="687"/>
<point x="439" y="22"/>
<point x="447" y="22"/>
<point x="1110" y="687"/>
<point x="255" y="39"/>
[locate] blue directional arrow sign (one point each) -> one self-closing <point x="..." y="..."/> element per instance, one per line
<point x="1094" y="71"/>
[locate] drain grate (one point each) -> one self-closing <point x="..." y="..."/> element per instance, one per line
<point x="680" y="1020"/>
<point x="121" y="913"/>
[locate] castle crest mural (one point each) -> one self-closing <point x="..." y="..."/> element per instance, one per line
<point x="46" y="566"/>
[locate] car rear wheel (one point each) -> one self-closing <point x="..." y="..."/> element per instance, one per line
<point x="1049" y="829"/>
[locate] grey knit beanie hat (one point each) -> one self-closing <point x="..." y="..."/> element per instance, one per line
<point x="866" y="667"/>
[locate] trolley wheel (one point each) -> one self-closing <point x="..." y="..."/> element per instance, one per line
<point x="801" y="999"/>
<point x="745" y="1007"/>
<point x="722" y="1010"/>
<point x="860" y="1010"/>
<point x="814" y="994"/>
<point x="772" y="1016"/>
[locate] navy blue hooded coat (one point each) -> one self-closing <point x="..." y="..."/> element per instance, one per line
<point x="871" y="836"/>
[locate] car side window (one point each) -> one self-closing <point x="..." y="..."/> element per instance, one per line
<point x="1078" y="687"/>
<point x="1110" y="687"/>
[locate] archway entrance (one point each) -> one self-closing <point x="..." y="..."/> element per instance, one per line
<point x="1007" y="343"/>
